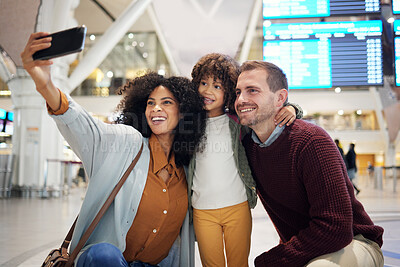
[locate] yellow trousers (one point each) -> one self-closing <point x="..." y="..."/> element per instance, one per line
<point x="230" y="226"/>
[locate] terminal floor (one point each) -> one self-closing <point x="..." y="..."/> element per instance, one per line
<point x="30" y="228"/>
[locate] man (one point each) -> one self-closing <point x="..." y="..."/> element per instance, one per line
<point x="351" y="166"/>
<point x="301" y="181"/>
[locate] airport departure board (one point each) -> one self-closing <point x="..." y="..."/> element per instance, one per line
<point x="326" y="54"/>
<point x="396" y="6"/>
<point x="396" y="28"/>
<point x="274" y="9"/>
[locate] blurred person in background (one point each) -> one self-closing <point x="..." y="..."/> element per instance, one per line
<point x="351" y="165"/>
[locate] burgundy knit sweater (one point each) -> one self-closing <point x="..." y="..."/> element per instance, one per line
<point x="302" y="183"/>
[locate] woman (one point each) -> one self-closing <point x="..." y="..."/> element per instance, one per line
<point x="147" y="224"/>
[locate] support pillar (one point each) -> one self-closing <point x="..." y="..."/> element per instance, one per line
<point x="34" y="139"/>
<point x="251" y="29"/>
<point x="107" y="42"/>
<point x="390" y="162"/>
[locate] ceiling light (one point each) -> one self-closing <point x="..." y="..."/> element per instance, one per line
<point x="162" y="72"/>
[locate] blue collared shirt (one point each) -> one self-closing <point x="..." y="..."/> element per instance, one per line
<point x="275" y="134"/>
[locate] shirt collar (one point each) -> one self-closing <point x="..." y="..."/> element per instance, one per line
<point x="275" y="134"/>
<point x="160" y="160"/>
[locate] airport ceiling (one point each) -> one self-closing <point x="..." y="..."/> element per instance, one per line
<point x="98" y="15"/>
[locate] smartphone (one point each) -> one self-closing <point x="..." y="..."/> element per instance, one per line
<point x="63" y="43"/>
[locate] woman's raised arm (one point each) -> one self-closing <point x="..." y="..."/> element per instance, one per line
<point x="39" y="70"/>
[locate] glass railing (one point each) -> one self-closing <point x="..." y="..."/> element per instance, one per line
<point x="134" y="54"/>
<point x="346" y="121"/>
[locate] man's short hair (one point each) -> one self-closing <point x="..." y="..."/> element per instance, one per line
<point x="276" y="79"/>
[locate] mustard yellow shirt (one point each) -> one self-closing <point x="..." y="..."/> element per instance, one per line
<point x="161" y="211"/>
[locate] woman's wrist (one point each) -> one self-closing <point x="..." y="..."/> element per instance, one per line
<point x="51" y="94"/>
<point x="46" y="88"/>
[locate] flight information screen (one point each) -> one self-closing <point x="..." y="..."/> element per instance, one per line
<point x="396" y="28"/>
<point x="273" y="9"/>
<point x="396" y="6"/>
<point x="323" y="55"/>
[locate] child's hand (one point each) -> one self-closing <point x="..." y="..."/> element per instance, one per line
<point x="286" y="115"/>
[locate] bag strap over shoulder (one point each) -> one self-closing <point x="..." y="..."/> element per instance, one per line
<point x="99" y="215"/>
<point x="67" y="240"/>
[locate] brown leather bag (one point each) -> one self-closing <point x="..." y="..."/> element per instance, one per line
<point x="60" y="257"/>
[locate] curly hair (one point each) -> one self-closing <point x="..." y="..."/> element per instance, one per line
<point x="218" y="66"/>
<point x="191" y="126"/>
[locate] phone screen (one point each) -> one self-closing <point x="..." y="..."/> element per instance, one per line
<point x="63" y="43"/>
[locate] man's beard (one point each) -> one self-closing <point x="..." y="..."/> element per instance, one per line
<point x="259" y="118"/>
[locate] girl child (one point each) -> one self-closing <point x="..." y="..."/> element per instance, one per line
<point x="221" y="188"/>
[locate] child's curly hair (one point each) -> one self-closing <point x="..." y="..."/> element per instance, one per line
<point x="191" y="126"/>
<point x="218" y="66"/>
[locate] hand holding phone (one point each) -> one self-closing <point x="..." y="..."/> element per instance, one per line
<point x="63" y="43"/>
